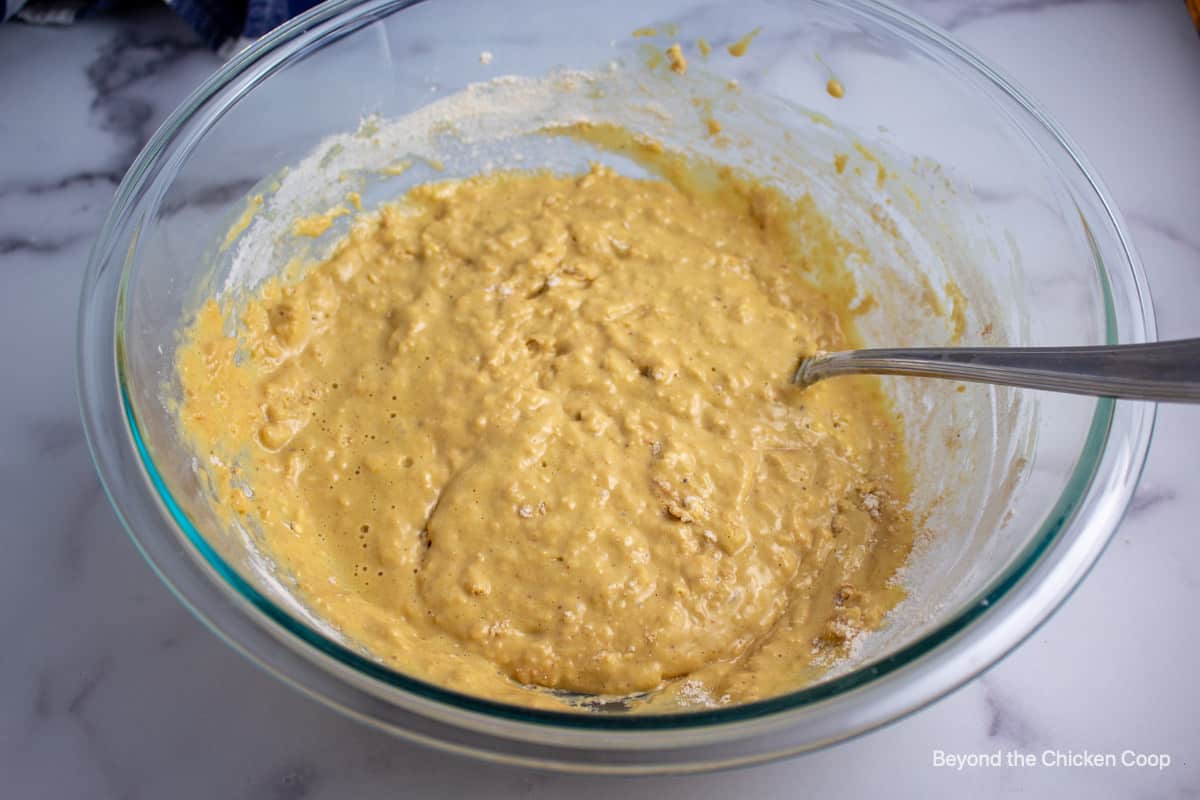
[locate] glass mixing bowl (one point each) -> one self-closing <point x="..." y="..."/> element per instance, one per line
<point x="1022" y="490"/>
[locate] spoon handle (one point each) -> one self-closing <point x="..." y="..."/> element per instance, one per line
<point x="1160" y="371"/>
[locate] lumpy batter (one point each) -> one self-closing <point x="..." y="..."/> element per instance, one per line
<point x="530" y="431"/>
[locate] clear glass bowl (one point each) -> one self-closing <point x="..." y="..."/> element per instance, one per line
<point x="1024" y="490"/>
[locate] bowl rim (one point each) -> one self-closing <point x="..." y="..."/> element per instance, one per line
<point x="123" y="463"/>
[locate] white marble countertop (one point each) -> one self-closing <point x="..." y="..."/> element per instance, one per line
<point x="110" y="689"/>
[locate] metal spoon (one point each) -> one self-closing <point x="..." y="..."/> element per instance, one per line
<point x="1161" y="371"/>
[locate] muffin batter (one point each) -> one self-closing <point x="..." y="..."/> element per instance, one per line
<point x="530" y="431"/>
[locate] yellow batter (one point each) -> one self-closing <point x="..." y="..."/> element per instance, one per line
<point x="530" y="431"/>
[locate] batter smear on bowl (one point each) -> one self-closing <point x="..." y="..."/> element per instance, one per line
<point x="529" y="431"/>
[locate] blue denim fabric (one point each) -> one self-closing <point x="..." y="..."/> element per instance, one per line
<point x="215" y="21"/>
<point x="218" y="21"/>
